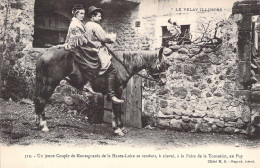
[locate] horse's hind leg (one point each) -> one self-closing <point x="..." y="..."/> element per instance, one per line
<point x="44" y="91"/>
<point x="40" y="104"/>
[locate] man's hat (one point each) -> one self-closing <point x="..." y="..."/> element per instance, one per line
<point x="94" y="9"/>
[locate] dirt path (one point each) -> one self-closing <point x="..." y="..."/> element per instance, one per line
<point x="17" y="127"/>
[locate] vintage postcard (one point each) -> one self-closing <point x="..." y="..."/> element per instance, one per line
<point x="129" y="83"/>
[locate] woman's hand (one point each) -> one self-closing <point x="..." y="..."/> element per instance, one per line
<point x="112" y="37"/>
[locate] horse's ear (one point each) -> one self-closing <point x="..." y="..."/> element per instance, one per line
<point x="160" y="53"/>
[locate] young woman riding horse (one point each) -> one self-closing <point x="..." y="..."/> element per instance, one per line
<point x="86" y="53"/>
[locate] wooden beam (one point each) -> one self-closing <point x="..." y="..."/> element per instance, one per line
<point x="136" y="2"/>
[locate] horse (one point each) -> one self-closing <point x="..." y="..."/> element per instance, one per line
<point x="57" y="64"/>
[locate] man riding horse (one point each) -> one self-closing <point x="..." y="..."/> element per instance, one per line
<point x="87" y="46"/>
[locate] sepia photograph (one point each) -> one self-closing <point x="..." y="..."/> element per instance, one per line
<point x="130" y="83"/>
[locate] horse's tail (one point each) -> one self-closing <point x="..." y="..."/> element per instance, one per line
<point x="39" y="76"/>
<point x="160" y="53"/>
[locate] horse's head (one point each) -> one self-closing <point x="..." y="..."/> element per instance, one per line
<point x="156" y="67"/>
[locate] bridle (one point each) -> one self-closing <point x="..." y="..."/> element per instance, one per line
<point x="146" y="65"/>
<point x="149" y="69"/>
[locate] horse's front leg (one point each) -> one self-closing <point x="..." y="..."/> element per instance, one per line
<point x="116" y="119"/>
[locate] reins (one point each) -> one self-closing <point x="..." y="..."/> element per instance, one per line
<point x="126" y="68"/>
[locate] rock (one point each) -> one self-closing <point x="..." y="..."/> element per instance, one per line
<point x="229" y="130"/>
<point x="194" y="120"/>
<point x="163" y="91"/>
<point x="204" y="127"/>
<point x="73" y="112"/>
<point x="56" y="98"/>
<point x="215" y="128"/>
<point x="63" y="83"/>
<point x="237" y="130"/>
<point x="176" y="124"/>
<point x="215" y="59"/>
<point x="186" y="126"/>
<point x="236" y="144"/>
<point x="27" y="101"/>
<point x="163" y="123"/>
<point x="167" y="51"/>
<point x="255" y="96"/>
<point x="209" y="120"/>
<point x="180" y="92"/>
<point x="207" y="50"/>
<point x="245" y="113"/>
<point x="221" y="77"/>
<point x="161" y="115"/>
<point x="201" y="58"/>
<point x="68" y="100"/>
<point x="199" y="114"/>
<point x="163" y="103"/>
<point x="196" y="92"/>
<point x="167" y="111"/>
<point x="230" y="124"/>
<point x="189" y="69"/>
<point x="208" y="95"/>
<point x="177" y="111"/>
<point x="196" y="84"/>
<point x="175" y="47"/>
<point x="218" y="94"/>
<point x="231" y="116"/>
<point x="149" y="127"/>
<point x="203" y="86"/>
<point x="219" y="123"/>
<point x="183" y="51"/>
<point x="194" y="50"/>
<point x="240" y="123"/>
<point x="185" y="119"/>
<point x="178" y="117"/>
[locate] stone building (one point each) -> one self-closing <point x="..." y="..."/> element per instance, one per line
<point x="203" y="92"/>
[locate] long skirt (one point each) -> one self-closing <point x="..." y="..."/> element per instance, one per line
<point x="88" y="61"/>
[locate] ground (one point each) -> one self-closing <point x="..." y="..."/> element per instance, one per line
<point x="17" y="127"/>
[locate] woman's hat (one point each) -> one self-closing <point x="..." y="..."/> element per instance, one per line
<point x="94" y="9"/>
<point x="76" y="8"/>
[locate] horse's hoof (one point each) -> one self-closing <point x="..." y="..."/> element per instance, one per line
<point x="124" y="129"/>
<point x="45" y="130"/>
<point x="119" y="132"/>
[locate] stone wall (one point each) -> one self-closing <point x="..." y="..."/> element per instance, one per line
<point x="129" y="36"/>
<point x="201" y="92"/>
<point x="19" y="58"/>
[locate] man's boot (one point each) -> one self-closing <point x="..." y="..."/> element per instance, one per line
<point x="111" y="92"/>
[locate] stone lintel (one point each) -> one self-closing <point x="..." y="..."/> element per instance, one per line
<point x="248" y="7"/>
